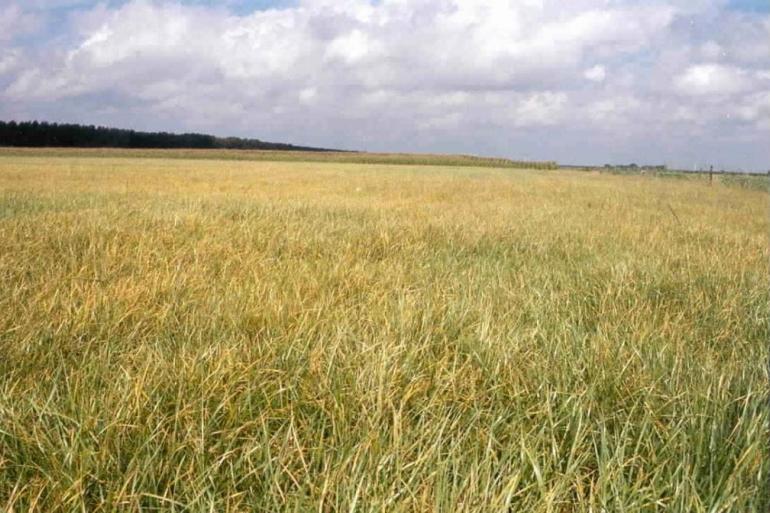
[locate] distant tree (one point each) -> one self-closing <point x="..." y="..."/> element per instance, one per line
<point x="38" y="134"/>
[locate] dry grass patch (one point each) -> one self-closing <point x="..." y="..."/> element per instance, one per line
<point x="191" y="335"/>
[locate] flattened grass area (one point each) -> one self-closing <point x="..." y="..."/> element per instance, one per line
<point x="204" y="335"/>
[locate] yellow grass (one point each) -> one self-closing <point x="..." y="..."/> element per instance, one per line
<point x="214" y="335"/>
<point x="348" y="157"/>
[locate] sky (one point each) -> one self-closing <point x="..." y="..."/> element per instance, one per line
<point x="684" y="83"/>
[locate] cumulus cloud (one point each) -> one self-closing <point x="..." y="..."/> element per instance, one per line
<point x="434" y="75"/>
<point x="713" y="79"/>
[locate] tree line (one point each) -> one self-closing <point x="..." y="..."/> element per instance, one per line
<point x="42" y="134"/>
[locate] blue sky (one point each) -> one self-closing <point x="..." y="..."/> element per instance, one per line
<point x="681" y="82"/>
<point x="760" y="6"/>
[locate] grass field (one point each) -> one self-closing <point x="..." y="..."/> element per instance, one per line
<point x="224" y="335"/>
<point x="343" y="157"/>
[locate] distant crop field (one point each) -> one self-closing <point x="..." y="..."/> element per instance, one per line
<point x="182" y="334"/>
<point x="343" y="157"/>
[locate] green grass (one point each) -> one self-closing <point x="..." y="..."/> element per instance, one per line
<point x="203" y="335"/>
<point x="753" y="181"/>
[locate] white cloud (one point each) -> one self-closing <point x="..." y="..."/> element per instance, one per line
<point x="15" y="21"/>
<point x="712" y="51"/>
<point x="344" y="72"/>
<point x="308" y="95"/>
<point x="349" y="48"/>
<point x="756" y="109"/>
<point x="540" y="109"/>
<point x="712" y="79"/>
<point x="460" y="45"/>
<point x="613" y="110"/>
<point x="595" y="73"/>
<point x="9" y="60"/>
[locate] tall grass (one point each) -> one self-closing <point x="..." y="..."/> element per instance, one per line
<point x="186" y="335"/>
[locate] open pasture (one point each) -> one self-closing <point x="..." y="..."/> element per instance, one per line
<point x="222" y="335"/>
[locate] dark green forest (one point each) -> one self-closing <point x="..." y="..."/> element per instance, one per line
<point x="42" y="134"/>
